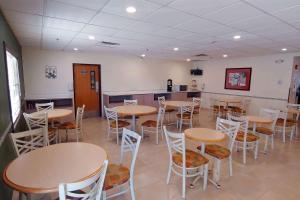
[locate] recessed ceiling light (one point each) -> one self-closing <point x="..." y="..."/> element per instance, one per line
<point x="91" y="37"/>
<point x="236" y="37"/>
<point x="75" y="49"/>
<point x="131" y="9"/>
<point x="143" y="55"/>
<point x="188" y="59"/>
<point x="175" y="48"/>
<point x="284" y="49"/>
<point x="225" y="55"/>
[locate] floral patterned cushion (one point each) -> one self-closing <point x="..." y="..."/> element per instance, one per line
<point x="67" y="125"/>
<point x="216" y="151"/>
<point x="250" y="137"/>
<point x="169" y="109"/>
<point x="115" y="175"/>
<point x="184" y="115"/>
<point x="280" y="122"/>
<point x="121" y="124"/>
<point x="264" y="130"/>
<point x="193" y="159"/>
<point x="150" y="123"/>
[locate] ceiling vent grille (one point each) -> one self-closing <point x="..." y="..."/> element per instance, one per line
<point x="108" y="44"/>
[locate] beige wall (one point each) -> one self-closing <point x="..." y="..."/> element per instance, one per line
<point x="120" y="73"/>
<point x="270" y="80"/>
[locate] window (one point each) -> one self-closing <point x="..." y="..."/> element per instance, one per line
<point x="14" y="85"/>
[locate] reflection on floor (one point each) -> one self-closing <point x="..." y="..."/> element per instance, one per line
<point x="274" y="176"/>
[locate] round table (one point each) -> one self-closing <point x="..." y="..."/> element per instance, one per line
<point x="179" y="104"/>
<point x="205" y="135"/>
<point x="134" y="110"/>
<point x="258" y="120"/>
<point x="42" y="170"/>
<point x="55" y="113"/>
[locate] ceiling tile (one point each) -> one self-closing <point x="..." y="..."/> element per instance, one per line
<point x="201" y="7"/>
<point x="27" y="30"/>
<point x="68" y="12"/>
<point x="291" y="14"/>
<point x="172" y="33"/>
<point x="99" y="30"/>
<point x="273" y="5"/>
<point x="161" y="2"/>
<point x="58" y="33"/>
<point x="27" y="6"/>
<point x="169" y="17"/>
<point x="21" y="18"/>
<point x="143" y="8"/>
<point x="109" y="20"/>
<point x="144" y="27"/>
<point x="62" y="24"/>
<point x="89" y="4"/>
<point x="235" y="12"/>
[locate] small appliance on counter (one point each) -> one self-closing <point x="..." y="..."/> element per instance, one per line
<point x="180" y="88"/>
<point x="169" y="85"/>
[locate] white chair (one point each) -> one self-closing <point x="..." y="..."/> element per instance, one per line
<point x="197" y="108"/>
<point x="153" y="126"/>
<point x="268" y="131"/>
<point x="185" y="116"/>
<point x="44" y="106"/>
<point x="295" y="118"/>
<point x="90" y="188"/>
<point x="40" y="120"/>
<point x="77" y="125"/>
<point x="119" y="179"/>
<point x="219" y="153"/>
<point x="245" y="140"/>
<point x="283" y="124"/>
<point x="27" y="141"/>
<point x="161" y="101"/>
<point x="114" y="124"/>
<point x="184" y="162"/>
<point x="130" y="102"/>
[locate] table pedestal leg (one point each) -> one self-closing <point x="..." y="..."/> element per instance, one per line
<point x="133" y="123"/>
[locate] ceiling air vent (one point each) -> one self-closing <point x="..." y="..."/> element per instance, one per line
<point x="201" y="55"/>
<point x="108" y="44"/>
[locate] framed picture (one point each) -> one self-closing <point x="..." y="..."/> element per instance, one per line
<point x="50" y="72"/>
<point x="238" y="78"/>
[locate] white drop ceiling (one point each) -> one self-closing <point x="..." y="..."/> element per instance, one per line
<point x="194" y="26"/>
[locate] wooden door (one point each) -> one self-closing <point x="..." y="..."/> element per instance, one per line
<point x="87" y="89"/>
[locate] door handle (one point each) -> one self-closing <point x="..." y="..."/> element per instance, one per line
<point x="97" y="86"/>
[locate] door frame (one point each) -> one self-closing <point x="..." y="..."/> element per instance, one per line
<point x="100" y="86"/>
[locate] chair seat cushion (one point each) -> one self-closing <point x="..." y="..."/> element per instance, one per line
<point x="193" y="159"/>
<point x="169" y="109"/>
<point x="67" y="125"/>
<point x="280" y="122"/>
<point x="184" y="115"/>
<point x="216" y="151"/>
<point x="250" y="137"/>
<point x="115" y="175"/>
<point x="121" y="124"/>
<point x="150" y="123"/>
<point x="264" y="130"/>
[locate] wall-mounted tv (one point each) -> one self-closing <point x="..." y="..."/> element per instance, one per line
<point x="197" y="72"/>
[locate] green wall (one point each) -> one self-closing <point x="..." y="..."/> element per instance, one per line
<point x="6" y="149"/>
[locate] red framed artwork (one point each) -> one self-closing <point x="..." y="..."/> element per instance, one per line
<point x="238" y="78"/>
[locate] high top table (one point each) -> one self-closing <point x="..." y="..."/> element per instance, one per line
<point x="42" y="170"/>
<point x="134" y="110"/>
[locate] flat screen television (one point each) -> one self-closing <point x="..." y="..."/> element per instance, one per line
<point x="197" y="72"/>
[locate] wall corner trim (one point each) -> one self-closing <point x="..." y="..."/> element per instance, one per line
<point x="6" y="131"/>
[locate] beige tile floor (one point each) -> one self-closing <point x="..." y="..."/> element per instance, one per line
<point x="274" y="176"/>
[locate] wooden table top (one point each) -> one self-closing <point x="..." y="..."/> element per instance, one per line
<point x="259" y="119"/>
<point x="42" y="170"/>
<point x="293" y="110"/>
<point x="204" y="135"/>
<point x="56" y="113"/>
<point x="179" y="103"/>
<point x="135" y="110"/>
<point x="230" y="100"/>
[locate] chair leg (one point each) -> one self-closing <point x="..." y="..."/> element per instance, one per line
<point x="256" y="149"/>
<point x="103" y="195"/>
<point x="205" y="177"/>
<point x="67" y="136"/>
<point x="283" y="134"/>
<point x="132" y="189"/>
<point x="180" y="126"/>
<point x="169" y="173"/>
<point x="117" y="136"/>
<point x="230" y="165"/>
<point x="183" y="182"/>
<point x="272" y="141"/>
<point x="157" y="136"/>
<point x="217" y="170"/>
<point x="244" y="152"/>
<point x="266" y="143"/>
<point x="292" y="133"/>
<point x="142" y="132"/>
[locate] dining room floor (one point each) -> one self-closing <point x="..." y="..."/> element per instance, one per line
<point x="273" y="176"/>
